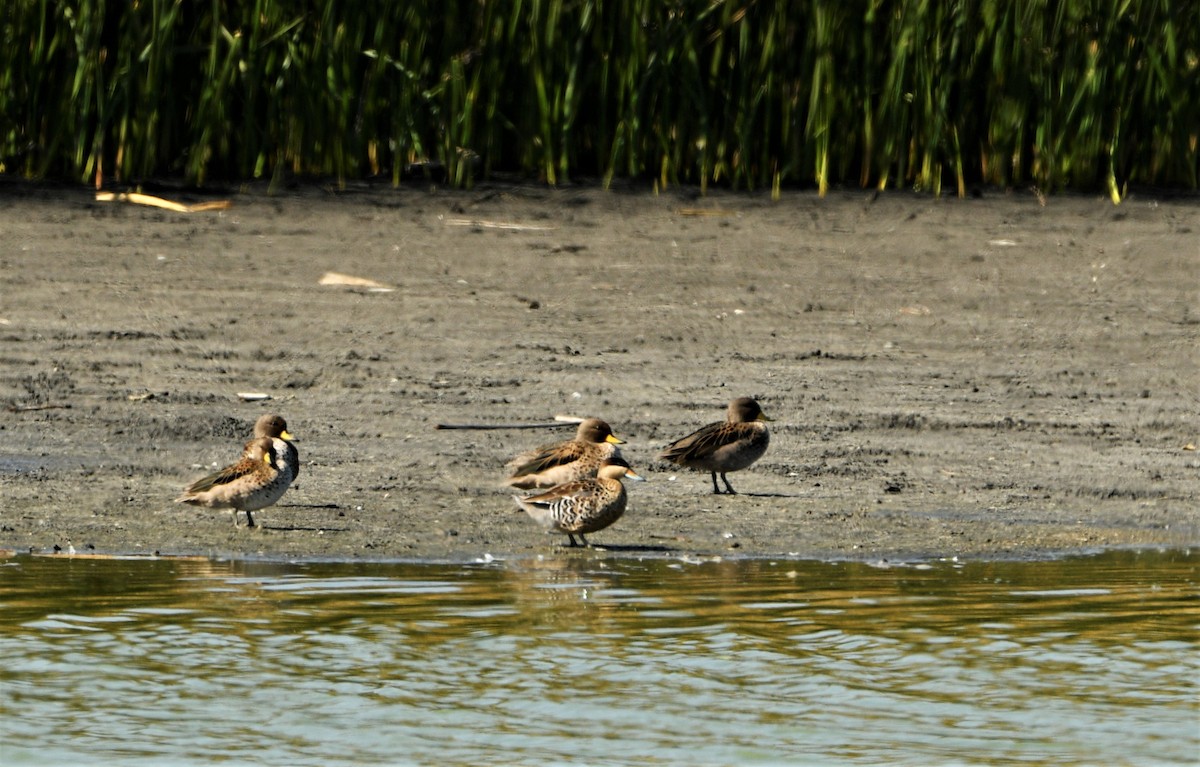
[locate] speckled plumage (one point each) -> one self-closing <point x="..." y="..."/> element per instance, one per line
<point x="254" y="482"/>
<point x="584" y="505"/>
<point x="556" y="464"/>
<point x="729" y="445"/>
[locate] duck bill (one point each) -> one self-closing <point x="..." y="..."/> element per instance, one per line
<point x="614" y="440"/>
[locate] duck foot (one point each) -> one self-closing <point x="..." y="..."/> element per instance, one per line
<point x="728" y="487"/>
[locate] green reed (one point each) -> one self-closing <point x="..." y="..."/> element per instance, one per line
<point x="926" y="94"/>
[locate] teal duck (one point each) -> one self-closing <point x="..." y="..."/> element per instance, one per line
<point x="255" y="482"/>
<point x="556" y="464"/>
<point x="730" y="445"/>
<point x="275" y="428"/>
<point x="584" y="505"/>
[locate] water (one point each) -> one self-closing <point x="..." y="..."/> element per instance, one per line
<point x="591" y="660"/>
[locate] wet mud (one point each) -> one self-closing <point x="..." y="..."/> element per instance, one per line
<point x="1006" y="376"/>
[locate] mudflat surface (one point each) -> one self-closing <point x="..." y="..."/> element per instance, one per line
<point x="994" y="377"/>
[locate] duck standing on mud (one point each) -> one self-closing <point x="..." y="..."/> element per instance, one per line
<point x="585" y="505"/>
<point x="252" y="483"/>
<point x="729" y="445"/>
<point x="269" y="465"/>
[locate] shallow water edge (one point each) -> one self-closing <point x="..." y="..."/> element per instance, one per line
<point x="597" y="660"/>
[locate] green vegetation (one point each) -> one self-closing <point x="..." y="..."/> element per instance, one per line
<point x="932" y="94"/>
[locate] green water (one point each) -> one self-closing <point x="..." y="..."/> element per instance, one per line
<point x="588" y="659"/>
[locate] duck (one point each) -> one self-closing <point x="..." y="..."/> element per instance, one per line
<point x="275" y="428"/>
<point x="254" y="482"/>
<point x="584" y="505"/>
<point x="557" y="464"/>
<point x="729" y="445"/>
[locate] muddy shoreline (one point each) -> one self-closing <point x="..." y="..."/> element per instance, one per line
<point x="982" y="378"/>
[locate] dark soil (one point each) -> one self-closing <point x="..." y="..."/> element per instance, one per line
<point x="991" y="377"/>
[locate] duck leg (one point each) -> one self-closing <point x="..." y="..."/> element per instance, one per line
<point x="728" y="487"/>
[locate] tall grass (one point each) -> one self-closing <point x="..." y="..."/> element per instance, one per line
<point x="931" y="94"/>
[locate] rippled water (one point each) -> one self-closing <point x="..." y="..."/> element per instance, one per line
<point x="593" y="660"/>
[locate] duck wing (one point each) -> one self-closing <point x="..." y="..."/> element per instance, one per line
<point x="546" y="458"/>
<point x="700" y="443"/>
<point x="573" y="492"/>
<point x="224" y="476"/>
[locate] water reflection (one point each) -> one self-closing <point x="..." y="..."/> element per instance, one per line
<point x="587" y="659"/>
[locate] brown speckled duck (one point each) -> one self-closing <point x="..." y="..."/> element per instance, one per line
<point x="731" y="445"/>
<point x="254" y="482"/>
<point x="585" y="505"/>
<point x="556" y="464"/>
